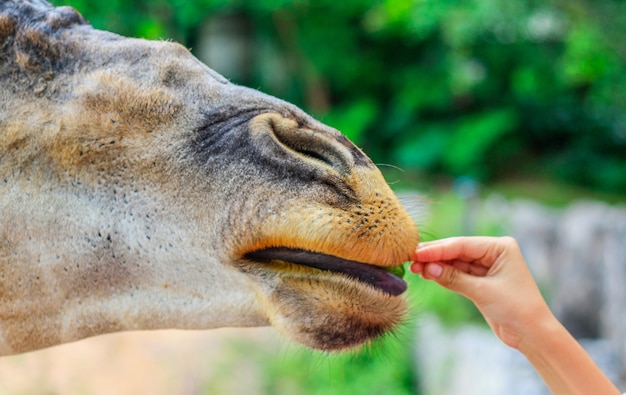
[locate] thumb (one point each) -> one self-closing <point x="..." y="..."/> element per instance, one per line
<point x="449" y="277"/>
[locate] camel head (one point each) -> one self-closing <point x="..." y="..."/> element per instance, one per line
<point x="140" y="190"/>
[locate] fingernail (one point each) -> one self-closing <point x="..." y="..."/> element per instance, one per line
<point x="434" y="270"/>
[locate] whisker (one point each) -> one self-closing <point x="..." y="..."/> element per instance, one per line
<point x="416" y="205"/>
<point x="390" y="165"/>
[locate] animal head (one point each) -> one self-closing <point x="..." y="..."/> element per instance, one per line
<point x="139" y="189"/>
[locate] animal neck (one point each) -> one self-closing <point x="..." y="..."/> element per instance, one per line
<point x="72" y="267"/>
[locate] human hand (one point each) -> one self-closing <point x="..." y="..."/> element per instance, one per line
<point x="492" y="273"/>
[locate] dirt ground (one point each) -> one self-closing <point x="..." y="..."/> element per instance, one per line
<point x="158" y="362"/>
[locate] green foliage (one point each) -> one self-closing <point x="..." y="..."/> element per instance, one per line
<point x="354" y="118"/>
<point x="473" y="136"/>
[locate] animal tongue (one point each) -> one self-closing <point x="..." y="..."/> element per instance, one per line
<point x="376" y="276"/>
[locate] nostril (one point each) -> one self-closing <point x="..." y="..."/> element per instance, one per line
<point x="314" y="155"/>
<point x="317" y="147"/>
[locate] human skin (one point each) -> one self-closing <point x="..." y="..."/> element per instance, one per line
<point x="492" y="273"/>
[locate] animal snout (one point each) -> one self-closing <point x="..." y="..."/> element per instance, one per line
<point x="319" y="147"/>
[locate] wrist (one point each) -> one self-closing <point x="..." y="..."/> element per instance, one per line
<point x="539" y="332"/>
<point x="536" y="325"/>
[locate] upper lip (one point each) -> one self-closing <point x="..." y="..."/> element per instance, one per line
<point x="376" y="276"/>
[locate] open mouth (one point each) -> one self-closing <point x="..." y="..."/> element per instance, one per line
<point x="384" y="279"/>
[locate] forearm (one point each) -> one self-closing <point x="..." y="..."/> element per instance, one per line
<point x="563" y="363"/>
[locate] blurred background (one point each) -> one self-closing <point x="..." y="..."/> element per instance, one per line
<point x="487" y="117"/>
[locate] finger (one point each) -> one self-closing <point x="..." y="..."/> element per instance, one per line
<point x="450" y="277"/>
<point x="474" y="268"/>
<point x="425" y="244"/>
<point x="469" y="249"/>
<point x="432" y="242"/>
<point x="416" y="267"/>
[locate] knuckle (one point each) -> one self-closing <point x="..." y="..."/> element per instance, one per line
<point x="450" y="277"/>
<point x="509" y="241"/>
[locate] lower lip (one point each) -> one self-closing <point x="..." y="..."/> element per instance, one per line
<point x="375" y="276"/>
